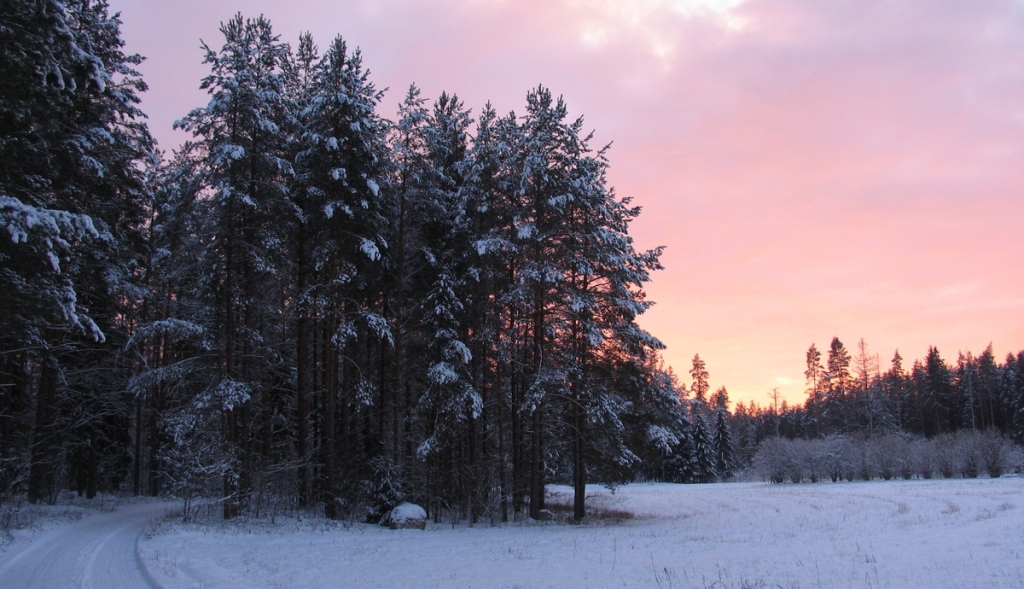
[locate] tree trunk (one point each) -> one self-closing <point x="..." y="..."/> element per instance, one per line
<point x="137" y="463"/>
<point x="579" y="467"/>
<point x="302" y="373"/>
<point x="42" y="476"/>
<point x="536" y="438"/>
<point x="329" y="400"/>
<point x="536" y="465"/>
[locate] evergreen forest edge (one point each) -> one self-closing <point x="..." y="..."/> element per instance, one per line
<point x="311" y="306"/>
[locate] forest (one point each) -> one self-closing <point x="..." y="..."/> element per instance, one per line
<point x="311" y="306"/>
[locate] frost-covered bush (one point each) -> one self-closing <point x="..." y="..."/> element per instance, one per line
<point x="996" y="453"/>
<point x="1015" y="459"/>
<point x="832" y="455"/>
<point x="856" y="461"/>
<point x="921" y="459"/>
<point x="882" y="457"/>
<point x="816" y="460"/>
<point x="970" y="453"/>
<point x="770" y="461"/>
<point x="945" y="456"/>
<point x="966" y="454"/>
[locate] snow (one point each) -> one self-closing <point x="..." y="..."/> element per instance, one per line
<point x="231" y="393"/>
<point x="900" y="534"/>
<point x="461" y="351"/>
<point x="663" y="437"/>
<point x="373" y="186"/>
<point x="525" y="231"/>
<point x="99" y="550"/>
<point x="330" y="207"/>
<point x="369" y="248"/>
<point x="442" y="373"/>
<point x="407" y="512"/>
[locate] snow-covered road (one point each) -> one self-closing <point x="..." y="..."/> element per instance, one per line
<point x="96" y="552"/>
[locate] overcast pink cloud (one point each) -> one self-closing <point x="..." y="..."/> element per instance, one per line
<point x="815" y="169"/>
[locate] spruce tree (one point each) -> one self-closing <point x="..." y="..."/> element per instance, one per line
<point x="936" y="390"/>
<point x="1013" y="395"/>
<point x="681" y="463"/>
<point x="723" y="445"/>
<point x="703" y="451"/>
<point x="989" y="399"/>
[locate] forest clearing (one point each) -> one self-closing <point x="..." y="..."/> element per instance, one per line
<point x="918" y="533"/>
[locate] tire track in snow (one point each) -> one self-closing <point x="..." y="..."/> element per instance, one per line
<point x="97" y="552"/>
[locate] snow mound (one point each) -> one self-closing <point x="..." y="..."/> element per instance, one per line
<point x="405" y="516"/>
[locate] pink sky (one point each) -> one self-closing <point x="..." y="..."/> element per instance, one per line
<point x="815" y="169"/>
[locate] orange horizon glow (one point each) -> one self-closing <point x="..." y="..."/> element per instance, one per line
<point x="848" y="169"/>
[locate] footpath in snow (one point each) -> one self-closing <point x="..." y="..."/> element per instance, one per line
<point x="898" y="534"/>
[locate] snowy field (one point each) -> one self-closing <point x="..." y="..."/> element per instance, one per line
<point x="900" y="534"/>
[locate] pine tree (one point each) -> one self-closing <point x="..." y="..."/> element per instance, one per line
<point x="340" y="244"/>
<point x="815" y="378"/>
<point x="73" y="147"/>
<point x="700" y="386"/>
<point x="585" y="277"/>
<point x="492" y="320"/>
<point x="835" y="409"/>
<point x="240" y="150"/>
<point x="451" y="396"/>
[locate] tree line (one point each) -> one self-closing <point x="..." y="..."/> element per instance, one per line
<point x="853" y="396"/>
<point x="308" y="304"/>
<point x="311" y="306"/>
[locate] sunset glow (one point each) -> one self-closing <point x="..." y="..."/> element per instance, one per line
<point x="815" y="169"/>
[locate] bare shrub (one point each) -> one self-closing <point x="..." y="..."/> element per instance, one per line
<point x="995" y="452"/>
<point x="856" y="460"/>
<point x="920" y="459"/>
<point x="944" y="455"/>
<point x="968" y="448"/>
<point x="771" y="458"/>
<point x="966" y="453"/>
<point x="883" y="454"/>
<point x="832" y="449"/>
